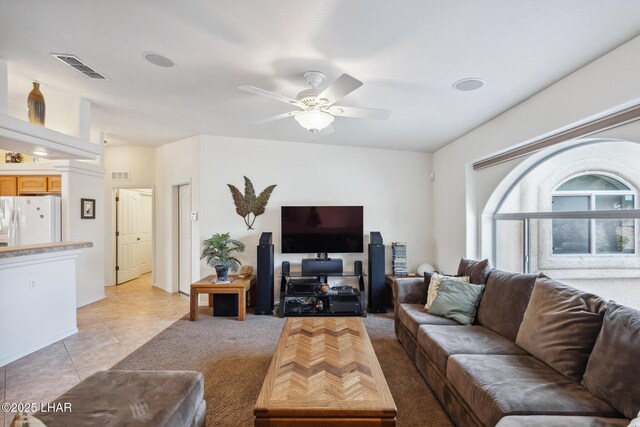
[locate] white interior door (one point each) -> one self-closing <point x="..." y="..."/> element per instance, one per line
<point x="128" y="235"/>
<point x="145" y="244"/>
<point x="184" y="239"/>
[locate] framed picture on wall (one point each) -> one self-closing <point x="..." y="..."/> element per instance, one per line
<point x="88" y="208"/>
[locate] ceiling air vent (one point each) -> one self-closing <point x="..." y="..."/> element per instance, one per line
<point x="75" y="62"/>
<point x="120" y="176"/>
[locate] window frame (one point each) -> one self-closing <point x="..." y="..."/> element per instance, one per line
<point x="592" y="207"/>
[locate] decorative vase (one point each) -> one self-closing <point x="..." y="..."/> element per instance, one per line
<point x="35" y="102"/>
<point x="221" y="271"/>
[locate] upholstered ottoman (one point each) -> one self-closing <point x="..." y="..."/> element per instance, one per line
<point x="133" y="398"/>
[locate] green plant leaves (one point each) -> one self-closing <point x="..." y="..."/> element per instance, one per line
<point x="248" y="203"/>
<point x="219" y="249"/>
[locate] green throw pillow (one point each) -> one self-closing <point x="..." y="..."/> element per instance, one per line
<point x="457" y="301"/>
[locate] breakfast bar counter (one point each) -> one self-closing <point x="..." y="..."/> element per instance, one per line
<point x="37" y="296"/>
<point x="42" y="248"/>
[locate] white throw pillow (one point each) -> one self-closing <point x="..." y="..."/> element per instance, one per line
<point x="434" y="284"/>
<point x="25" y="420"/>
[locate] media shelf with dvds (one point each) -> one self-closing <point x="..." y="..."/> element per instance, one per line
<point x="399" y="259"/>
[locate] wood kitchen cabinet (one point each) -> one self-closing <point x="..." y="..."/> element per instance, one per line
<point x="8" y="185"/>
<point x="54" y="184"/>
<point x="32" y="184"/>
<point x="26" y="185"/>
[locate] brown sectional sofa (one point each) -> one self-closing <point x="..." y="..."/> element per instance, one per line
<point x="487" y="374"/>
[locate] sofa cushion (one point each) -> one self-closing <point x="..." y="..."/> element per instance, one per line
<point x="440" y="342"/>
<point x="494" y="386"/>
<point x="505" y="299"/>
<point x="427" y="277"/>
<point x="140" y="398"/>
<point x="613" y="366"/>
<point x="560" y="326"/>
<point x="560" y="421"/>
<point x="434" y="285"/>
<point x="457" y="300"/>
<point x="478" y="271"/>
<point x="414" y="315"/>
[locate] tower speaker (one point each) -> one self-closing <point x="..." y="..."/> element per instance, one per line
<point x="266" y="238"/>
<point x="375" y="238"/>
<point x="264" y="273"/>
<point x="376" y="274"/>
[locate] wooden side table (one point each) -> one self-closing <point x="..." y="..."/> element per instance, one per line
<point x="237" y="286"/>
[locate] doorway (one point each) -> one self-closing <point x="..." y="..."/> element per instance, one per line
<point x="134" y="233"/>
<point x="184" y="239"/>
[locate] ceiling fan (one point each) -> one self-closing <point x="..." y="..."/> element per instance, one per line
<point x="317" y="109"/>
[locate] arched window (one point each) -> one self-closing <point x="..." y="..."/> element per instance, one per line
<point x="591" y="192"/>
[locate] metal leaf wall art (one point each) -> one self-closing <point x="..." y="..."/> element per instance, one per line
<point x="249" y="204"/>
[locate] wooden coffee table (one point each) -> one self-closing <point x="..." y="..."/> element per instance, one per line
<point x="237" y="286"/>
<point x="324" y="373"/>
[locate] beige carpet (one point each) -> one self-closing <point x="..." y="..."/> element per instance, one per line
<point x="234" y="357"/>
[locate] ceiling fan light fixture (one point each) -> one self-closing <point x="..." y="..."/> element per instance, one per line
<point x="314" y="121"/>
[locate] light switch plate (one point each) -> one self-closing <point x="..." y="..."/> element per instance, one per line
<point x="194" y="216"/>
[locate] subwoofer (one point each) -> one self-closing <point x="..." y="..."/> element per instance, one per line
<point x="225" y="305"/>
<point x="376" y="274"/>
<point x="264" y="275"/>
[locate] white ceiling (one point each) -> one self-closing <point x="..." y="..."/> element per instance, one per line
<point x="407" y="53"/>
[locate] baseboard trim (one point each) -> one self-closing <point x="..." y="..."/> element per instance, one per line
<point x="42" y="344"/>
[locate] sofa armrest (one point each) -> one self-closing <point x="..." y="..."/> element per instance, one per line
<point x="407" y="290"/>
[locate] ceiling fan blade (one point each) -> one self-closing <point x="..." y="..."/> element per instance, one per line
<point x="272" y="95"/>
<point x="274" y="118"/>
<point x="340" y="88"/>
<point x="360" y="113"/>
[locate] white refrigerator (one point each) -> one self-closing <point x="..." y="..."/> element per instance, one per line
<point x="27" y="220"/>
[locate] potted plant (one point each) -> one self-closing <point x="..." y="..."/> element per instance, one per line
<point x="218" y="251"/>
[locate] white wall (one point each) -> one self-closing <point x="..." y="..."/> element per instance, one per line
<point x="608" y="83"/>
<point x="393" y="186"/>
<point x="176" y="164"/>
<point x="140" y="162"/>
<point x="84" y="180"/>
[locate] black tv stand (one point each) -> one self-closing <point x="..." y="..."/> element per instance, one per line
<point x="305" y="296"/>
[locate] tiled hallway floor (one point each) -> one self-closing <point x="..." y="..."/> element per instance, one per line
<point x="108" y="330"/>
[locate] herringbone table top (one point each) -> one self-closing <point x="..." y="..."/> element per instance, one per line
<point x="325" y="367"/>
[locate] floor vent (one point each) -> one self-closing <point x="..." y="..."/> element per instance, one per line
<point x="120" y="176"/>
<point x="76" y="63"/>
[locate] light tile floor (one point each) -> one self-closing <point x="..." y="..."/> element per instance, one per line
<point x="108" y="330"/>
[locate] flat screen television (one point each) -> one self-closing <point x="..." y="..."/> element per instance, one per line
<point x="322" y="229"/>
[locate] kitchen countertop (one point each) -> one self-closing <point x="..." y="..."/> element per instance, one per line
<point x="41" y="248"/>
